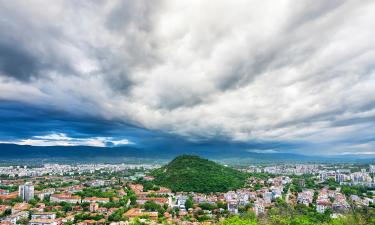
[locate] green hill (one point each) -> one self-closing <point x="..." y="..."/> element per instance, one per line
<point x="194" y="174"/>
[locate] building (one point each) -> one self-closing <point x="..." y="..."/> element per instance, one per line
<point x="15" y="217"/>
<point x="321" y="206"/>
<point x="181" y="200"/>
<point x="20" y="207"/>
<point x="94" y="206"/>
<point x="42" y="222"/>
<point x="325" y="175"/>
<point x="3" y="208"/>
<point x="301" y="182"/>
<point x="26" y="192"/>
<point x="95" y="199"/>
<point x="137" y="212"/>
<point x="372" y="168"/>
<point x="305" y="197"/>
<point x="43" y="215"/>
<point x="159" y="201"/>
<point x="44" y="193"/>
<point x="258" y="207"/>
<point x="340" y="203"/>
<point x="65" y="198"/>
<point x="358" y="177"/>
<point x="341" y="177"/>
<point x="267" y="197"/>
<point x="233" y="206"/>
<point x="8" y="195"/>
<point x="276" y="193"/>
<point x="149" y="178"/>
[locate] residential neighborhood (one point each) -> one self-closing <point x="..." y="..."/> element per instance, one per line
<point x="119" y="194"/>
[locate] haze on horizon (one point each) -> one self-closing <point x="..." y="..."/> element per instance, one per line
<point x="275" y="76"/>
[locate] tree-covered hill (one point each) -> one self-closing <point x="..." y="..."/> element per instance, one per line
<point x="194" y="174"/>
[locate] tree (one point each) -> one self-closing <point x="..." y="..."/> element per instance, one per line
<point x="236" y="220"/>
<point x="151" y="206"/>
<point x="189" y="203"/>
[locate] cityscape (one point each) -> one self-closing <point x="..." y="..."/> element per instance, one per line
<point x="54" y="194"/>
<point x="195" y="112"/>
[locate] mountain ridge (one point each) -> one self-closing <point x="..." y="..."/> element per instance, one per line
<point x="71" y="154"/>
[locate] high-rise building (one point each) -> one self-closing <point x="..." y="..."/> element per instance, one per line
<point x="26" y="192"/>
<point x="372" y="168"/>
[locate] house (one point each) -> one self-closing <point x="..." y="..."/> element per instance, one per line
<point x="276" y="192"/>
<point x="159" y="201"/>
<point x="340" y="203"/>
<point x="4" y="192"/>
<point x="267" y="197"/>
<point x="181" y="200"/>
<point x="137" y="212"/>
<point x="5" y="195"/>
<point x="137" y="188"/>
<point x="95" y="199"/>
<point x="94" y="206"/>
<point x="258" y="207"/>
<point x="149" y="178"/>
<point x="43" y="215"/>
<point x="322" y="205"/>
<point x="16" y="216"/>
<point x="42" y="222"/>
<point x="65" y="198"/>
<point x="3" y="208"/>
<point x="20" y="207"/>
<point x="233" y="206"/>
<point x="121" y="192"/>
<point x="305" y="197"/>
<point x="44" y="193"/>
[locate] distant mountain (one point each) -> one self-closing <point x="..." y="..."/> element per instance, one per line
<point x="25" y="154"/>
<point x="194" y="174"/>
<point x="72" y="154"/>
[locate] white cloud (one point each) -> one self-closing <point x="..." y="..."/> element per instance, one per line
<point x="263" y="151"/>
<point x="61" y="139"/>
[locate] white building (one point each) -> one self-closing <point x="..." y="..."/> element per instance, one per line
<point x="15" y="217"/>
<point x="181" y="200"/>
<point x="372" y="168"/>
<point x="233" y="207"/>
<point x="26" y="192"/>
<point x="267" y="197"/>
<point x="42" y="222"/>
<point x="43" y="215"/>
<point x="258" y="207"/>
<point x="322" y="206"/>
<point x="95" y="199"/>
<point x="65" y="198"/>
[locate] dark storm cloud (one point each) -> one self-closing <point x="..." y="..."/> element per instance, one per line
<point x="248" y="72"/>
<point x="17" y="63"/>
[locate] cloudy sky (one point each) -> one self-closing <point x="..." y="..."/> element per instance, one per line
<point x="290" y="76"/>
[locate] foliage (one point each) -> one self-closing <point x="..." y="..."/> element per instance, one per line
<point x="236" y="220"/>
<point x="189" y="203"/>
<point x="151" y="206"/>
<point x="355" y="190"/>
<point x="84" y="216"/>
<point x="9" y="188"/>
<point x="118" y="215"/>
<point x="148" y="185"/>
<point x="194" y="174"/>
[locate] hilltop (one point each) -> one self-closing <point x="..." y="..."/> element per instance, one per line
<point x="194" y="174"/>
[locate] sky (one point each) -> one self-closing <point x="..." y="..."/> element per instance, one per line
<point x="275" y="76"/>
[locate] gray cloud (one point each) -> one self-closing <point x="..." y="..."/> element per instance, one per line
<point x="244" y="70"/>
